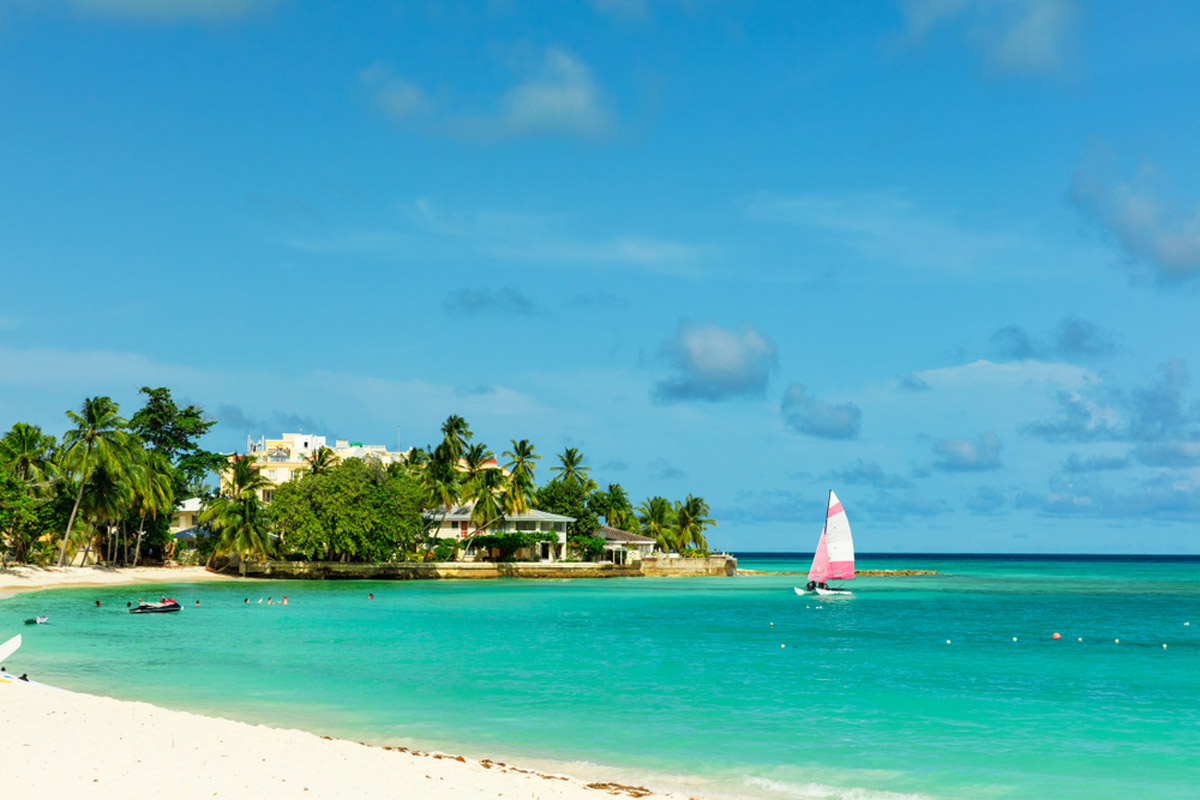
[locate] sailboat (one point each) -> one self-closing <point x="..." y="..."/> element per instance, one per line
<point x="834" y="559"/>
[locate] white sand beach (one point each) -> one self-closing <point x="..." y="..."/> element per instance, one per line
<point x="59" y="743"/>
<point x="63" y="744"/>
<point x="18" y="578"/>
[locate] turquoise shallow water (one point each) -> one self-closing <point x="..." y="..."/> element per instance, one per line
<point x="687" y="676"/>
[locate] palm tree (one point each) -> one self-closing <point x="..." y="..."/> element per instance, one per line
<point x="485" y="490"/>
<point x="691" y="518"/>
<point x="521" y="459"/>
<point x="321" y="461"/>
<point x="519" y="491"/>
<point x="619" y="513"/>
<point x="571" y="469"/>
<point x="152" y="481"/>
<point x="239" y="518"/>
<point x="455" y="435"/>
<point x="105" y="500"/>
<point x="657" y="518"/>
<point x="97" y="438"/>
<point x="477" y="458"/>
<point x="25" y="452"/>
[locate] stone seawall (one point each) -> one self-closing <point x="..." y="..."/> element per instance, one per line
<point x="485" y="570"/>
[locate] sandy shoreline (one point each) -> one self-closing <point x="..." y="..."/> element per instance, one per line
<point x="63" y="744"/>
<point x="60" y="743"/>
<point x="22" y="578"/>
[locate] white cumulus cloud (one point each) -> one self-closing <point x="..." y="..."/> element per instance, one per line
<point x="715" y="363"/>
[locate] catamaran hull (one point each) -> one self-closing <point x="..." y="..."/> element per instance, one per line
<point x="823" y="591"/>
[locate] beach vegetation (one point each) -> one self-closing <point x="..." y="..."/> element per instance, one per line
<point x="586" y="547"/>
<point x="571" y="470"/>
<point x="509" y="543"/>
<point x="111" y="484"/>
<point x="355" y="511"/>
<point x="321" y="461"/>
<point x="26" y="453"/>
<point x="100" y="437"/>
<point x="237" y="517"/>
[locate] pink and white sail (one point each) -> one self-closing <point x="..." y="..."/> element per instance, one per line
<point x="835" y="551"/>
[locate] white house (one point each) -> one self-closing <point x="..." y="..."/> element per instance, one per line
<point x="456" y="524"/>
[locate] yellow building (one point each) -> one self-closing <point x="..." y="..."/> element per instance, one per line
<point x="281" y="459"/>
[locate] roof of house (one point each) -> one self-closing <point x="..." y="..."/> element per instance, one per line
<point x="188" y="534"/>
<point x="192" y="504"/>
<point x="463" y="512"/>
<point x="618" y="535"/>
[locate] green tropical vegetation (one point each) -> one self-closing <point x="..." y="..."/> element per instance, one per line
<point x="108" y="489"/>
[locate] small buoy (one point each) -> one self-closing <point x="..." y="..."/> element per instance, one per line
<point x="947" y="641"/>
<point x="1116" y="641"/>
<point x="1056" y="635"/>
<point x="772" y="624"/>
<point x="783" y="645"/>
<point x="1014" y="638"/>
<point x="1186" y="624"/>
<point x="1164" y="647"/>
<point x="1080" y="639"/>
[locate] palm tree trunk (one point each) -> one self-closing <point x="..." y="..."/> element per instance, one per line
<point x="137" y="551"/>
<point x="87" y="549"/>
<point x="62" y="557"/>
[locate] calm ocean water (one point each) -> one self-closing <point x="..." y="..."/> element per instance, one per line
<point x="687" y="677"/>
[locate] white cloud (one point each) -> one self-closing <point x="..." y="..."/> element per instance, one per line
<point x="1019" y="36"/>
<point x="715" y="363"/>
<point x="37" y="385"/>
<point x="968" y="455"/>
<point x="1012" y="373"/>
<point x="559" y="97"/>
<point x="1036" y="39"/>
<point x="400" y="99"/>
<point x="888" y="227"/>
<point x="517" y="237"/>
<point x="806" y="414"/>
<point x="1152" y="232"/>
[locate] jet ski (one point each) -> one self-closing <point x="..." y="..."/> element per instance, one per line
<point x="164" y="605"/>
<point x="36" y="620"/>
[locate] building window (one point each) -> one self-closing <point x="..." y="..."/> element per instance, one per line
<point x="268" y="495"/>
<point x="271" y="474"/>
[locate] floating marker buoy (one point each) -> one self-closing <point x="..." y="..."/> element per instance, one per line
<point x="1080" y="639"/>
<point x="783" y="645"/>
<point x="1056" y="635"/>
<point x="1186" y="624"/>
<point x="772" y="624"/>
<point x="947" y="641"/>
<point x="1164" y="647"/>
<point x="1014" y="638"/>
<point x="1116" y="641"/>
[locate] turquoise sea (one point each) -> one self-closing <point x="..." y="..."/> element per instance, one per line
<point x="725" y="687"/>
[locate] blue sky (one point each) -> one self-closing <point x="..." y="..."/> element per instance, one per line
<point x="939" y="255"/>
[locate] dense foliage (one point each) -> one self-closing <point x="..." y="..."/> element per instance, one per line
<point x="109" y="487"/>
<point x="353" y="511"/>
